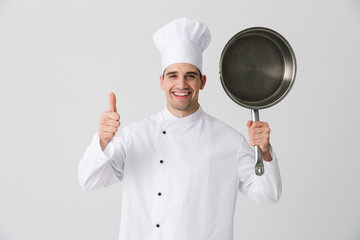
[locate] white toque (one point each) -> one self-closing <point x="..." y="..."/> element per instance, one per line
<point x="182" y="41"/>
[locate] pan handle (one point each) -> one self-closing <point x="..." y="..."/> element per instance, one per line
<point x="259" y="167"/>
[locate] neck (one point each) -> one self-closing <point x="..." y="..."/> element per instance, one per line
<point x="182" y="113"/>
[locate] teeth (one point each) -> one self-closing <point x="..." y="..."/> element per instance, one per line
<point x="181" y="94"/>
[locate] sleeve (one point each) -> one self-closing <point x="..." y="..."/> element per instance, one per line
<point x="262" y="189"/>
<point x="97" y="168"/>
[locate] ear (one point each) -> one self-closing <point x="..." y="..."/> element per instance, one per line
<point x="203" y="81"/>
<point x="161" y="82"/>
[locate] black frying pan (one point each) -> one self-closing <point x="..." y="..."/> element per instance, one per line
<point x="257" y="70"/>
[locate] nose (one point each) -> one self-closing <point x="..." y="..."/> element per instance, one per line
<point x="182" y="84"/>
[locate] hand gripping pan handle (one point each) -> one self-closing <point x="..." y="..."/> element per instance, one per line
<point x="259" y="167"/>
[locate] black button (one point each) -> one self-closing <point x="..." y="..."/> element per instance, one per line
<point x="161" y="161"/>
<point x="164" y="132"/>
<point x="159" y="193"/>
<point x="157" y="225"/>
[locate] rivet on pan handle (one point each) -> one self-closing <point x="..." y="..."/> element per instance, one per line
<point x="259" y="167"/>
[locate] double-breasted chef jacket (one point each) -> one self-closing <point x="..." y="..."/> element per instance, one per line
<point x="181" y="176"/>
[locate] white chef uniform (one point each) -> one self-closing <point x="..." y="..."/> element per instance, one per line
<point x="180" y="176"/>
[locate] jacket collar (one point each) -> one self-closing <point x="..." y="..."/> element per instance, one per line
<point x="167" y="115"/>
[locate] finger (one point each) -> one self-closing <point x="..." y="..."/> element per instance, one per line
<point x="112" y="100"/>
<point x="249" y="123"/>
<point x="108" y="129"/>
<point x="259" y="131"/>
<point x="111" y="115"/>
<point x="256" y="137"/>
<point x="110" y="122"/>
<point x="259" y="140"/>
<point x="257" y="124"/>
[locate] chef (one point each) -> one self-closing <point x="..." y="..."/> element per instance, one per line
<point x="181" y="169"/>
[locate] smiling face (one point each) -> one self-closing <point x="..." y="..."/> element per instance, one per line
<point x="181" y="83"/>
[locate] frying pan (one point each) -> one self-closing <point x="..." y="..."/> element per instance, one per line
<point x="257" y="70"/>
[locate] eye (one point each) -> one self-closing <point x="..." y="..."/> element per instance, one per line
<point x="191" y="76"/>
<point x="172" y="76"/>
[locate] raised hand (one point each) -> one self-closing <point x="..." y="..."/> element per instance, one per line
<point x="109" y="123"/>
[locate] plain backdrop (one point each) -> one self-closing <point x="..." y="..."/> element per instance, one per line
<point x="59" y="59"/>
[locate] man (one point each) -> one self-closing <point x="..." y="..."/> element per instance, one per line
<point x="181" y="168"/>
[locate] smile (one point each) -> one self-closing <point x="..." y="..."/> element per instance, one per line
<point x="181" y="94"/>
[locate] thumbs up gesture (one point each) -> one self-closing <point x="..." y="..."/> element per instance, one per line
<point x="109" y="123"/>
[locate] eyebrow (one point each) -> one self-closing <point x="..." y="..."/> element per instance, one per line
<point x="195" y="73"/>
<point x="170" y="73"/>
<point x="175" y="72"/>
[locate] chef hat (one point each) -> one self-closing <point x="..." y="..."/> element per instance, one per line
<point x="182" y="41"/>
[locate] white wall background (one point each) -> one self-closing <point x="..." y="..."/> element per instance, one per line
<point x="59" y="59"/>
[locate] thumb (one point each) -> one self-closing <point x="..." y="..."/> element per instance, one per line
<point x="112" y="100"/>
<point x="249" y="123"/>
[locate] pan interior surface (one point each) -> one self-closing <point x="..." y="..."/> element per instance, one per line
<point x="257" y="68"/>
<point x="254" y="67"/>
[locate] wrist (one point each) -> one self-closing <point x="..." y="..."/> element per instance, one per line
<point x="267" y="156"/>
<point x="103" y="143"/>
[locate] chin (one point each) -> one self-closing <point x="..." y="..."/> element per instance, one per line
<point x="182" y="107"/>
